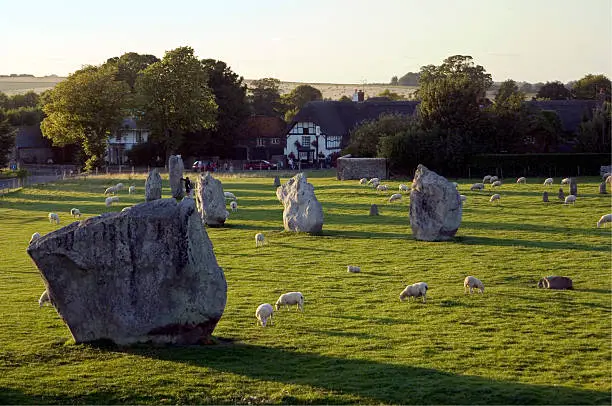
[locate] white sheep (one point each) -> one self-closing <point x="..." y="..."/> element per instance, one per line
<point x="497" y="183"/>
<point x="463" y="198"/>
<point x="570" y="199"/>
<point x="394" y="197"/>
<point x="548" y="181"/>
<point x="493" y="179"/>
<point x="74" y="212"/>
<point x="110" y="200"/>
<point x="609" y="180"/>
<point x="415" y="290"/>
<point x="259" y="239"/>
<point x="36" y="236"/>
<point x="353" y="269"/>
<point x="565" y="181"/>
<point x="486" y="179"/>
<point x="229" y="195"/>
<point x="522" y="179"/>
<point x="606" y="218"/>
<point x="477" y="186"/>
<point x="44" y="298"/>
<point x="263" y="313"/>
<point x="382" y="188"/>
<point x="54" y="218"/>
<point x="290" y="299"/>
<point x="403" y="188"/>
<point x="472" y="283"/>
<point x="373" y="180"/>
<point x="111" y="190"/>
<point x="495" y="197"/>
<point x="234" y="206"/>
<point x="132" y="189"/>
<point x="119" y="186"/>
<point x="363" y="181"/>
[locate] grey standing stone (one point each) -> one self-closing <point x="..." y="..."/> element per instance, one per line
<point x="277" y="181"/>
<point x="303" y="212"/>
<point x="147" y="274"/>
<point x="545" y="197"/>
<point x="153" y="186"/>
<point x="561" y="194"/>
<point x="175" y="173"/>
<point x="602" y="188"/>
<point x="373" y="210"/>
<point x="210" y="200"/>
<point x="573" y="188"/>
<point x="435" y="207"/>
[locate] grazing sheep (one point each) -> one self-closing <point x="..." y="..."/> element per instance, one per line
<point x="606" y="218"/>
<point x="110" y="200"/>
<point x="497" y="183"/>
<point x="75" y="212"/>
<point x="363" y="181"/>
<point x="229" y="195"/>
<point x="548" y="181"/>
<point x="263" y="313"/>
<point x="132" y="189"/>
<point x="234" y="206"/>
<point x="486" y="179"/>
<point x="403" y="188"/>
<point x="415" y="290"/>
<point x="463" y="198"/>
<point x="522" y="179"/>
<point x="556" y="282"/>
<point x="472" y="283"/>
<point x="54" y="218"/>
<point x="495" y="197"/>
<point x="570" y="199"/>
<point x="111" y="190"/>
<point x="353" y="269"/>
<point x="36" y="236"/>
<point x="494" y="179"/>
<point x="119" y="186"/>
<point x="477" y="186"/>
<point x="373" y="180"/>
<point x="290" y="299"/>
<point x="259" y="239"/>
<point x="382" y="188"/>
<point x="565" y="181"/>
<point x="609" y="180"/>
<point x="44" y="298"/>
<point x="394" y="197"/>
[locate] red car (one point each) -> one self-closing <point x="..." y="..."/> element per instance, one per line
<point x="258" y="165"/>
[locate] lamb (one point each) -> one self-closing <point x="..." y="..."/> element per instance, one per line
<point x="75" y="212"/>
<point x="565" y="181"/>
<point x="363" y="181"/>
<point x="486" y="179"/>
<point x="382" y="188"/>
<point x="494" y="179"/>
<point x="44" y="298"/>
<point x="353" y="269"/>
<point x="497" y="183"/>
<point x="606" y="218"/>
<point x="54" y="218"/>
<point x="36" y="236"/>
<point x="110" y="200"/>
<point x="229" y="195"/>
<point x="463" y="198"/>
<point x="259" y="239"/>
<point x="394" y="197"/>
<point x="556" y="282"/>
<point x="415" y="290"/>
<point x="570" y="199"/>
<point x="472" y="283"/>
<point x="522" y="180"/>
<point x="548" y="182"/>
<point x="234" y="206"/>
<point x="403" y="188"/>
<point x="290" y="299"/>
<point x="495" y="197"/>
<point x="477" y="186"/>
<point x="263" y="313"/>
<point x="132" y="189"/>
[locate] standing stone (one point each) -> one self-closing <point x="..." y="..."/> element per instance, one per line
<point x="373" y="210"/>
<point x="175" y="172"/>
<point x="602" y="188"/>
<point x="545" y="197"/>
<point x="277" y="181"/>
<point x="153" y="186"/>
<point x="573" y="188"/>
<point x="210" y="200"/>
<point x="147" y="274"/>
<point x="435" y="207"/>
<point x="561" y="194"/>
<point x="303" y="212"/>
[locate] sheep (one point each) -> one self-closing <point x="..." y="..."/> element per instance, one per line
<point x="110" y="200"/>
<point x="522" y="180"/>
<point x="353" y="269"/>
<point x="259" y="239"/>
<point x="382" y="188"/>
<point x="229" y="195"/>
<point x="556" y="282"/>
<point x="477" y="186"/>
<point x="497" y="183"/>
<point x="373" y="180"/>
<point x="119" y="186"/>
<point x="111" y="190"/>
<point x="606" y="218"/>
<point x="494" y="179"/>
<point x="463" y="198"/>
<point x="415" y="290"/>
<point x="394" y="197"/>
<point x="403" y="188"/>
<point x="234" y="205"/>
<point x="75" y="212"/>
<point x="486" y="179"/>
<point x="570" y="199"/>
<point x="472" y="283"/>
<point x="290" y="299"/>
<point x="54" y="218"/>
<point x="548" y="181"/>
<point x="363" y="181"/>
<point x="44" y="298"/>
<point x="495" y="197"/>
<point x="565" y="181"/>
<point x="132" y="189"/>
<point x="36" y="236"/>
<point x="609" y="180"/>
<point x="263" y="313"/>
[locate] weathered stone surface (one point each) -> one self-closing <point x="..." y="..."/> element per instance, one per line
<point x="545" y="197"/>
<point x="277" y="181"/>
<point x="573" y="187"/>
<point x="602" y="188"/>
<point x="357" y="168"/>
<point x="175" y="173"/>
<point x="303" y="212"/>
<point x="561" y="194"/>
<point x="153" y="186"/>
<point x="435" y="207"/>
<point x="147" y="274"/>
<point x="210" y="200"/>
<point x="373" y="210"/>
<point x="556" y="282"/>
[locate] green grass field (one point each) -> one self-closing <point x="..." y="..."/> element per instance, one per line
<point x="355" y="342"/>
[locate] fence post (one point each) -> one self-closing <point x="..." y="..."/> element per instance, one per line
<point x="96" y="171"/>
<point x="120" y="169"/>
<point x="64" y="174"/>
<point x="578" y="170"/>
<point x="132" y="170"/>
<point x="107" y="170"/>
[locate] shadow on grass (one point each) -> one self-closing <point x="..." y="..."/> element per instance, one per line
<point x="551" y="245"/>
<point x="539" y="228"/>
<point x="365" y="234"/>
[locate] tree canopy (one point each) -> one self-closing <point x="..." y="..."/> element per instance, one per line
<point x="391" y="95"/>
<point x="130" y="64"/>
<point x="592" y="87"/>
<point x="554" y="91"/>
<point x="7" y="138"/>
<point x="265" y="98"/>
<point x="297" y="98"/>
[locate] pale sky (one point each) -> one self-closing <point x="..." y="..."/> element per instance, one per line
<point x="322" y="41"/>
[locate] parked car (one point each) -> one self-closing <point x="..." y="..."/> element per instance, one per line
<point x="258" y="165"/>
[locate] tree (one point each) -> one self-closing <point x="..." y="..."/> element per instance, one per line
<point x="130" y="64"/>
<point x="526" y="88"/>
<point x="508" y="119"/>
<point x="85" y="108"/>
<point x="409" y="79"/>
<point x="265" y="98"/>
<point x="592" y="87"/>
<point x="594" y="134"/>
<point x="345" y="98"/>
<point x="508" y="96"/>
<point x="391" y="95"/>
<point x="553" y="91"/>
<point x="364" y="138"/>
<point x="394" y="81"/>
<point x="176" y="98"/>
<point x="7" y="138"/>
<point x="297" y="98"/>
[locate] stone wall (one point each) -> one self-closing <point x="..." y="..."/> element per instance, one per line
<point x="357" y="168"/>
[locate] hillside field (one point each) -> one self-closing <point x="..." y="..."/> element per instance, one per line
<point x="355" y="342"/>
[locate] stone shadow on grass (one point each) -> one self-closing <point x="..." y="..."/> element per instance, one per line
<point x="505" y="242"/>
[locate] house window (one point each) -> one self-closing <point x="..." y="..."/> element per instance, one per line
<point x="261" y="142"/>
<point x="275" y="141"/>
<point x="333" y="141"/>
<point x="303" y="156"/>
<point x="306" y="130"/>
<point x="305" y="141"/>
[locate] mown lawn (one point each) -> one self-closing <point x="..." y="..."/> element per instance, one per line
<point x="355" y="342"/>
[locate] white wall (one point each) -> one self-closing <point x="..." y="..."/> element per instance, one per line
<point x="297" y="133"/>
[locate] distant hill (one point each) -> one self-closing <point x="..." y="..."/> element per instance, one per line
<point x="23" y="84"/>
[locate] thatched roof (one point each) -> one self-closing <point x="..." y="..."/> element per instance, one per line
<point x="571" y="112"/>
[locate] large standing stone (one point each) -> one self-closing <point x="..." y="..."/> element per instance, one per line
<point x="210" y="200"/>
<point x="435" y="206"/>
<point x="148" y="273"/>
<point x="561" y="194"/>
<point x="175" y="173"/>
<point x="153" y="186"/>
<point x="277" y="181"/>
<point x="545" y="197"/>
<point x="373" y="210"/>
<point x="573" y="187"/>
<point x="303" y="212"/>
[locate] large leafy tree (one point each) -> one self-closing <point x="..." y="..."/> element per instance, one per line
<point x="176" y="98"/>
<point x="409" y="79"/>
<point x="509" y="119"/>
<point x="592" y="87"/>
<point x="130" y="64"/>
<point x="364" y="138"/>
<point x="85" y="109"/>
<point x="554" y="91"/>
<point x="594" y="134"/>
<point x="7" y="138"/>
<point x="265" y="97"/>
<point x="298" y="97"/>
